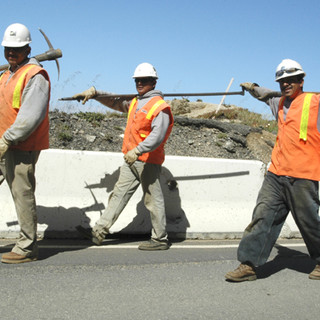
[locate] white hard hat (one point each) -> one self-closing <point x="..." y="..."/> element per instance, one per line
<point x="16" y="35"/>
<point x="288" y="68"/>
<point x="145" y="70"/>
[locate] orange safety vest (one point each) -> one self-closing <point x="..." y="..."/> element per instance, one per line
<point x="10" y="102"/>
<point x="139" y="127"/>
<point x="297" y="149"/>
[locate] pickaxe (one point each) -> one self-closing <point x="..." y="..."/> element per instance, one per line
<point x="51" y="54"/>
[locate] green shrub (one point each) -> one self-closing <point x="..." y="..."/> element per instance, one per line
<point x="64" y="133"/>
<point x="91" y="116"/>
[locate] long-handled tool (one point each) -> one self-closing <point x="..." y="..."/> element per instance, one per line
<point x="51" y="54"/>
<point x="130" y="96"/>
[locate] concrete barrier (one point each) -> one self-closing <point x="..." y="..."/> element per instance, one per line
<point x="204" y="197"/>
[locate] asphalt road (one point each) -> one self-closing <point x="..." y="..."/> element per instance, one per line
<point x="73" y="280"/>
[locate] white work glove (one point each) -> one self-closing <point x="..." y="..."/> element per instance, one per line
<point x="85" y="95"/>
<point x="4" y="146"/>
<point x="131" y="156"/>
<point x="249" y="86"/>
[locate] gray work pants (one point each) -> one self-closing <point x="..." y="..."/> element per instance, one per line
<point x="18" y="168"/>
<point x="148" y="175"/>
<point x="279" y="195"/>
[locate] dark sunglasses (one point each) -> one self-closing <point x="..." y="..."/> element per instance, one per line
<point x="288" y="71"/>
<point x="15" y="49"/>
<point x="143" y="80"/>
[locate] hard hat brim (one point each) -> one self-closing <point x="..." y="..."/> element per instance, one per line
<point x="14" y="44"/>
<point x="134" y="77"/>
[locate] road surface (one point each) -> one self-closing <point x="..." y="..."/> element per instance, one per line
<point x="74" y="280"/>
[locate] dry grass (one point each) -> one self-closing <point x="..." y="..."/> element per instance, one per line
<point x="246" y="117"/>
<point x="230" y="113"/>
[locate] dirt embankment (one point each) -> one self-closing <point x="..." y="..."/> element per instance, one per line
<point x="192" y="135"/>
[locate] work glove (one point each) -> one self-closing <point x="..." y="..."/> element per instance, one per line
<point x="86" y="95"/>
<point x="4" y="146"/>
<point x="249" y="86"/>
<point x="131" y="156"/>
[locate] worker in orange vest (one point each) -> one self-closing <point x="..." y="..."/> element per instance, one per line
<point x="24" y="132"/>
<point x="148" y="127"/>
<point x="291" y="183"/>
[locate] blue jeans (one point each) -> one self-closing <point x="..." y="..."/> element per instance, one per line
<point x="277" y="196"/>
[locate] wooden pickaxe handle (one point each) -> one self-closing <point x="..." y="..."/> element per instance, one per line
<point x="51" y="54"/>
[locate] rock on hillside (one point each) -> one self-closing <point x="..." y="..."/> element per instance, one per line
<point x="192" y="134"/>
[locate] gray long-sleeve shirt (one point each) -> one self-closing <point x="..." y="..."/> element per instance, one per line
<point x="159" y="124"/>
<point x="273" y="103"/>
<point x="34" y="102"/>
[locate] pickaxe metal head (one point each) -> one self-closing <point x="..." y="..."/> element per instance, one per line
<point x="51" y="54"/>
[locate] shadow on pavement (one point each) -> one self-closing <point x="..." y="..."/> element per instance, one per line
<point x="51" y="247"/>
<point x="286" y="259"/>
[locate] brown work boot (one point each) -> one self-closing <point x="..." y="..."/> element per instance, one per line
<point x="13" y="258"/>
<point x="315" y="274"/>
<point x="153" y="245"/>
<point x="244" y="272"/>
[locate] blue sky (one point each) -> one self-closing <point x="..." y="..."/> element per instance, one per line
<point x="196" y="46"/>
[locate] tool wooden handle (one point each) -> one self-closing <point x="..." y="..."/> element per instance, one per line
<point x="51" y="54"/>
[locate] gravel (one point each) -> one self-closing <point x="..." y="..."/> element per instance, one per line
<point x="189" y="137"/>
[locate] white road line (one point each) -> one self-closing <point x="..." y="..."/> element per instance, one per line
<point x="181" y="246"/>
<point x="174" y="246"/>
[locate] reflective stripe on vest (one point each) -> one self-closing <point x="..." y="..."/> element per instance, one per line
<point x="134" y="100"/>
<point x="151" y="111"/>
<point x="304" y="115"/>
<point x="155" y="106"/>
<point x="17" y="90"/>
